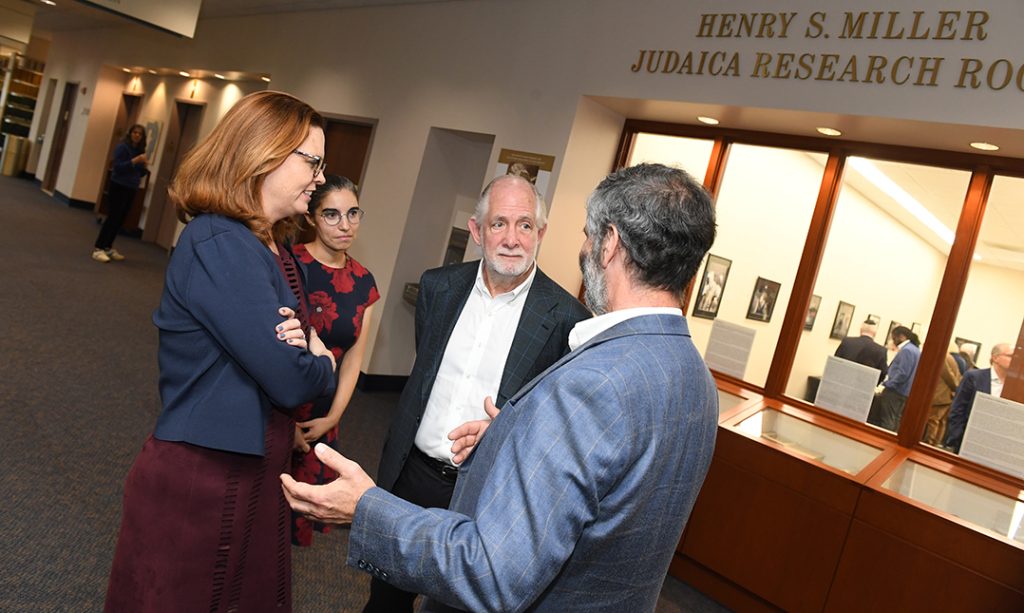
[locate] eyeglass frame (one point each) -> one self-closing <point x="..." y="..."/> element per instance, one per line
<point x="319" y="165"/>
<point x="355" y="212"/>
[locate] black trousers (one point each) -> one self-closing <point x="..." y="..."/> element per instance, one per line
<point x="119" y="202"/>
<point x="421" y="484"/>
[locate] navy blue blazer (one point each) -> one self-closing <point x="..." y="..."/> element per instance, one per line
<point x="542" y="336"/>
<point x="575" y="498"/>
<point x="974" y="381"/>
<point x="221" y="367"/>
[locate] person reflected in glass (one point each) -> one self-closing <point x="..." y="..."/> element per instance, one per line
<point x="204" y="524"/>
<point x="887" y="410"/>
<point x="126" y="172"/>
<point x="341" y="295"/>
<point x="864" y="350"/>
<point x="985" y="380"/>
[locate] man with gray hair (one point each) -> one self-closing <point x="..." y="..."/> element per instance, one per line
<point x="576" y="497"/>
<point x="483" y="329"/>
<point x="986" y="380"/>
<point x="864" y="350"/>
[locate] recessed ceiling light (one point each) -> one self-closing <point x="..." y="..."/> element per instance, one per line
<point x="985" y="146"/>
<point x="711" y="121"/>
<point x="151" y="71"/>
<point x="183" y="73"/>
<point x="48" y="2"/>
<point x="829" y="132"/>
<point x="126" y="70"/>
<point x="267" y="79"/>
<point x="219" y="76"/>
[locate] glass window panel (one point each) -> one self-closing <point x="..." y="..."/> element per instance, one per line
<point x="883" y="261"/>
<point x="980" y="506"/>
<point x="987" y="327"/>
<point x="690" y="154"/>
<point x="810" y="441"/>
<point x="764" y="208"/>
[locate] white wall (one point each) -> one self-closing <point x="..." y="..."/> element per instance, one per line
<point x="522" y="71"/>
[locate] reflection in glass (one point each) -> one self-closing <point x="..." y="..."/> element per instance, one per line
<point x="881" y="269"/>
<point x="977" y="505"/>
<point x="809" y="440"/>
<point x="690" y="154"/>
<point x="727" y="401"/>
<point x="987" y="327"/>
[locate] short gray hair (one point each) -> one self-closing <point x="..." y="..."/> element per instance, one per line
<point x="540" y="215"/>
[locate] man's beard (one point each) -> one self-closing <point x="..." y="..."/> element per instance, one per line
<point x="595" y="294"/>
<point x="510" y="270"/>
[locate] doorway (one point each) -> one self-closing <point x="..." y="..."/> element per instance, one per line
<point x="182" y="133"/>
<point x="347" y="148"/>
<point x="127" y="115"/>
<point x="60" y="135"/>
<point x="33" y="154"/>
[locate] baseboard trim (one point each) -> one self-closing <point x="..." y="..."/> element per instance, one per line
<point x="380" y="383"/>
<point x="74" y="202"/>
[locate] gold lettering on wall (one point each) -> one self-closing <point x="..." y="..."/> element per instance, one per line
<point x="919" y="27"/>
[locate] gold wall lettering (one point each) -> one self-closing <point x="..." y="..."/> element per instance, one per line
<point x="919" y="70"/>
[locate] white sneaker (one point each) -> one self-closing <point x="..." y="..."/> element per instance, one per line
<point x="114" y="255"/>
<point x="100" y="255"/>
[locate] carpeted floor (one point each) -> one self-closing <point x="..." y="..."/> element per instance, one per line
<point x="78" y="396"/>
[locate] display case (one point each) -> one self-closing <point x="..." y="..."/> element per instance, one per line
<point x="1003" y="515"/>
<point x="809" y="440"/>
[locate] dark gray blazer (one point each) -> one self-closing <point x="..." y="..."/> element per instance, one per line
<point x="541" y="338"/>
<point x="864" y="350"/>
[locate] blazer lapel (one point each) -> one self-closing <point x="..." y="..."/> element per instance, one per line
<point x="536" y="324"/>
<point x="452" y="293"/>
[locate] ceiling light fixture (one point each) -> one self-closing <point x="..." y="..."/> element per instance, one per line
<point x="48" y="2"/>
<point x="219" y="76"/>
<point x="711" y="121"/>
<point x="151" y="71"/>
<point x="871" y="172"/>
<point x="266" y="79"/>
<point x="183" y="73"/>
<point x="829" y="132"/>
<point x="985" y="146"/>
<point x="125" y="70"/>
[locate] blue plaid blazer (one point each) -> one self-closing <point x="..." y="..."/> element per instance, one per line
<point x="576" y="497"/>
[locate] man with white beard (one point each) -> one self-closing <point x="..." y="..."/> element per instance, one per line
<point x="483" y="329"/>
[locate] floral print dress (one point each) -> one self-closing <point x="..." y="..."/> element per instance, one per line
<point x="337" y="299"/>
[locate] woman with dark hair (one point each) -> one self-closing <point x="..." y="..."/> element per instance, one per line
<point x="126" y="172"/>
<point x="341" y="295"/>
<point x="205" y="525"/>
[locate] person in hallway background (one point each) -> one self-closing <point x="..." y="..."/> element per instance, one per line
<point x="483" y="329"/>
<point x="864" y="350"/>
<point x="887" y="410"/>
<point x="985" y="380"/>
<point x="576" y="497"/>
<point x="942" y="398"/>
<point x="341" y="295"/>
<point x="126" y="172"/>
<point x="204" y="525"/>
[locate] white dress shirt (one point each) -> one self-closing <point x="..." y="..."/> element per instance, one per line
<point x="472" y="365"/>
<point x="587" y="329"/>
<point x="997" y="385"/>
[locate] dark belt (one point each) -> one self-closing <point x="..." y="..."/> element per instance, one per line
<point x="442" y="468"/>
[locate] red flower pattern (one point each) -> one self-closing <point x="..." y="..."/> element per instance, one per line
<point x="322" y="311"/>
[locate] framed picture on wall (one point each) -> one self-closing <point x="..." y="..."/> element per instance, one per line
<point x="712" y="286"/>
<point x="916" y="328"/>
<point x="841" y="324"/>
<point x="762" y="301"/>
<point x="971" y="348"/>
<point x="812" y="311"/>
<point x="888" y="335"/>
<point x="875" y="319"/>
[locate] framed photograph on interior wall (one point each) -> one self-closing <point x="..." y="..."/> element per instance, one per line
<point x="875" y="319"/>
<point x="712" y="286"/>
<point x="812" y="311"/>
<point x="916" y="329"/>
<point x="762" y="301"/>
<point x="841" y="324"/>
<point x="888" y="335"/>
<point x="971" y="348"/>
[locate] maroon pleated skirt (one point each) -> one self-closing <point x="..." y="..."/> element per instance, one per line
<point x="205" y="530"/>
